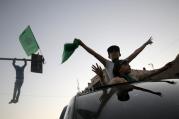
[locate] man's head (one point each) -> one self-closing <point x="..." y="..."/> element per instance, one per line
<point x="121" y="67"/>
<point x="114" y="52"/>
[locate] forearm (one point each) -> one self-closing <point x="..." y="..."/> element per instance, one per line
<point x="102" y="80"/>
<point x="117" y="80"/>
<point x="136" y="52"/>
<point x="157" y="71"/>
<point x="92" y="52"/>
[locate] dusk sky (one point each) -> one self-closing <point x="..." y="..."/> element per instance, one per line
<point x="99" y="24"/>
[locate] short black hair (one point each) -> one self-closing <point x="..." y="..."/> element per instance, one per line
<point x="113" y="48"/>
<point x="117" y="66"/>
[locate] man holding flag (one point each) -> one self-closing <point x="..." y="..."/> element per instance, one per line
<point x="113" y="53"/>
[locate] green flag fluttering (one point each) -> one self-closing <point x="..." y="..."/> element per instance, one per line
<point x="69" y="48"/>
<point x="28" y="41"/>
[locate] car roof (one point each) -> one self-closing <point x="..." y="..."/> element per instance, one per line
<point x="151" y="99"/>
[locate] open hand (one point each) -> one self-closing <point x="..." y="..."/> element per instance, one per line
<point x="149" y="41"/>
<point x="169" y="65"/>
<point x="98" y="70"/>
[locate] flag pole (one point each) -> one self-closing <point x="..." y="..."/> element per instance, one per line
<point x="19" y="59"/>
<point x="78" y="87"/>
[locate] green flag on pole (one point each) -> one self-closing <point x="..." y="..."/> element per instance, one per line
<point x="69" y="48"/>
<point x="28" y="41"/>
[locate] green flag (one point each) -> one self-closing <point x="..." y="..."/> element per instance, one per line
<point x="28" y="41"/>
<point x="69" y="48"/>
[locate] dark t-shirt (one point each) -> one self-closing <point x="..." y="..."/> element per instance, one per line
<point x="19" y="73"/>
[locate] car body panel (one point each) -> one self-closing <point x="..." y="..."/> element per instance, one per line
<point x="143" y="100"/>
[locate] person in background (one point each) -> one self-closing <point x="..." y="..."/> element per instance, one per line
<point x="19" y="80"/>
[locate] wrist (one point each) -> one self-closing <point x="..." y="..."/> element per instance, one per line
<point x="102" y="77"/>
<point x="145" y="44"/>
<point x="82" y="44"/>
<point x="102" y="82"/>
<point x="164" y="68"/>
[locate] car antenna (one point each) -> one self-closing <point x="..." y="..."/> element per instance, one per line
<point x="78" y="87"/>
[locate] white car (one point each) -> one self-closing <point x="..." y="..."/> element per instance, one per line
<point x="137" y="100"/>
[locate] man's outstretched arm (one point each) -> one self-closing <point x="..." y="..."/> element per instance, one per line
<point x="158" y="71"/>
<point x="92" y="52"/>
<point x="167" y="66"/>
<point x="137" y="51"/>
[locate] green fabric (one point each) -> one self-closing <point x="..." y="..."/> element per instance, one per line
<point x="69" y="48"/>
<point x="28" y="41"/>
<point x="128" y="78"/>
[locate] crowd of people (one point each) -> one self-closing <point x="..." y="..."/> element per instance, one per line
<point x="119" y="70"/>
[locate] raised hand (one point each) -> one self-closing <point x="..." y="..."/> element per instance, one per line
<point x="78" y="40"/>
<point x="98" y="70"/>
<point x="149" y="41"/>
<point x="169" y="65"/>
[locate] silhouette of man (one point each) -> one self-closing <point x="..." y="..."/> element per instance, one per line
<point x="19" y="80"/>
